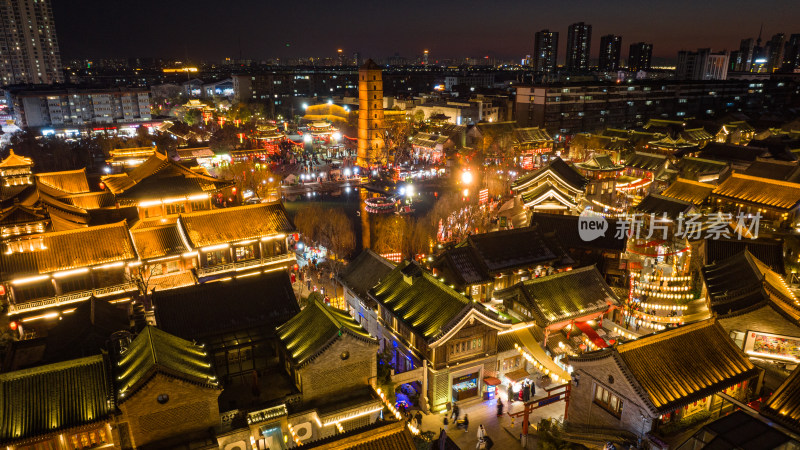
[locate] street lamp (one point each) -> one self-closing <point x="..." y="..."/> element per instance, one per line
<point x="466" y="177"/>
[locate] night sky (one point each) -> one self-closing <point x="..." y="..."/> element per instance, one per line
<point x="211" y="30"/>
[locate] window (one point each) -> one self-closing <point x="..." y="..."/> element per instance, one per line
<point x="607" y="400"/>
<point x="162" y="398"/>
<point x="738" y="338"/>
<point x="88" y="439"/>
<point x="217" y="257"/>
<point x="175" y="208"/>
<point x="512" y="363"/>
<point x="245" y="253"/>
<point x="466" y="346"/>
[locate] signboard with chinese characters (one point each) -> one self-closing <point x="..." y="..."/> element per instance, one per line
<point x="773" y="346"/>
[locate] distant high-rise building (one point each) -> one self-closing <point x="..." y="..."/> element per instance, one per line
<point x="370" y="115"/>
<point x="28" y="44"/>
<point x="610" y="50"/>
<point x="579" y="39"/>
<point x="425" y="58"/>
<point x="357" y="59"/>
<point x="545" y="51"/>
<point x="791" y="58"/>
<point x="742" y="61"/>
<point x="639" y="56"/>
<point x="702" y="65"/>
<point x="774" y="52"/>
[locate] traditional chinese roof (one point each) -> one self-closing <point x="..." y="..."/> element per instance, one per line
<point x="425" y="304"/>
<point x="47" y="399"/>
<point x="740" y="125"/>
<point x="315" y="328"/>
<point x="646" y="161"/>
<point x="774" y="169"/>
<point x="563" y="296"/>
<point x="18" y="214"/>
<point x="547" y="192"/>
<point x="378" y="436"/>
<point x="568" y="176"/>
<point x="784" y="405"/>
<point x="190" y="153"/>
<point x="678" y="143"/>
<point x="428" y="140"/>
<point x="697" y="134"/>
<point x="690" y="191"/>
<point x="566" y="229"/>
<point x="90" y="200"/>
<point x="768" y="251"/>
<point x="462" y="266"/>
<point x="85" y="331"/>
<point x="690" y="166"/>
<point x="155" y="351"/>
<point x="211" y="309"/>
<point x="731" y="153"/>
<point x="229" y="225"/>
<point x="66" y="182"/>
<point x="742" y="283"/>
<point x="14" y="160"/>
<point x="64" y="250"/>
<point x="760" y="191"/>
<point x="532" y="134"/>
<point x="160" y="177"/>
<point x="364" y="272"/>
<point x="510" y="249"/>
<point x="659" y="204"/>
<point x="25" y="194"/>
<point x="679" y="366"/>
<point x="599" y="163"/>
<point x="158" y="241"/>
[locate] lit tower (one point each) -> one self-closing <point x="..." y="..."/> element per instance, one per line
<point x="370" y="115"/>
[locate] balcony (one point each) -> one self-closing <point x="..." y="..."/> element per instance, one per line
<point x="69" y="298"/>
<point x="244" y="265"/>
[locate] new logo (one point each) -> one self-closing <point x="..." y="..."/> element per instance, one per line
<point x="591" y="225"/>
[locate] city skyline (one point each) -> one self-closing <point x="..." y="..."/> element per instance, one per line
<point x="374" y="32"/>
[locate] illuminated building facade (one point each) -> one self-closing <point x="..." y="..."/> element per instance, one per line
<point x="371" y="144"/>
<point x="639" y="56"/>
<point x="610" y="52"/>
<point x="545" y="51"/>
<point x="28" y="43"/>
<point x="579" y="40"/>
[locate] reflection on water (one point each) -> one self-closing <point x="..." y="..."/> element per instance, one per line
<point x="348" y="199"/>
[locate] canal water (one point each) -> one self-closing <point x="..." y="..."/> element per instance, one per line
<point x="349" y="201"/>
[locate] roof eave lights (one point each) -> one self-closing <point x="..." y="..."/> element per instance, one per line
<point x="68" y="273"/>
<point x="215" y="247"/>
<point x="30" y="280"/>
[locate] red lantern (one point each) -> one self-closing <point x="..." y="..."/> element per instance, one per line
<point x="102" y="186"/>
<point x="13" y="326"/>
<point x="2" y="290"/>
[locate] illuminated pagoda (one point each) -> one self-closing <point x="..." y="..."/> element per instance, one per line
<point x="371" y="143"/>
<point x="20" y="213"/>
<point x="641" y="386"/>
<point x="556" y="187"/>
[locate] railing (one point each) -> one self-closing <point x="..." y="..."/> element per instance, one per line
<point x="65" y="299"/>
<point x="206" y="271"/>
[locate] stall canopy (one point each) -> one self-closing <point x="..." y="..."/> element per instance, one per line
<point x="491" y="381"/>
<point x="535" y="353"/>
<point x="517" y="375"/>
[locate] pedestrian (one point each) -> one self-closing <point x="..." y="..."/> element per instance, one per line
<point x="308" y="284"/>
<point x="576" y="377"/>
<point x="499" y="407"/>
<point x="454" y="416"/>
<point x="466" y="423"/>
<point x="510" y="393"/>
<point x="481" y="432"/>
<point x="418" y="418"/>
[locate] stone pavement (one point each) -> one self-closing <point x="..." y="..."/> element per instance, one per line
<point x="504" y="434"/>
